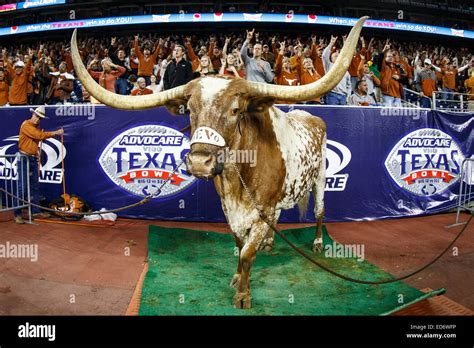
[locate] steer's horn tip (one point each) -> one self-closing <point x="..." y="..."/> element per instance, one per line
<point x="74" y="34"/>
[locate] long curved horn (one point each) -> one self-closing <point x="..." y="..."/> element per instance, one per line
<point x="317" y="88"/>
<point x="116" y="100"/>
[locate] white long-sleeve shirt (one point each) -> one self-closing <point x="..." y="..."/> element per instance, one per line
<point x="344" y="86"/>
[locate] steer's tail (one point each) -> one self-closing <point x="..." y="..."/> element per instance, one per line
<point x="303" y="205"/>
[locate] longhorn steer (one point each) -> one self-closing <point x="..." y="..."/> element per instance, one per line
<point x="235" y="114"/>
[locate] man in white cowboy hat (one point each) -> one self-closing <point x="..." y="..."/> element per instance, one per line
<point x="20" y="74"/>
<point x="28" y="142"/>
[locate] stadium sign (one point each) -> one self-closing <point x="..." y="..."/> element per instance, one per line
<point x="141" y="158"/>
<point x="425" y="162"/>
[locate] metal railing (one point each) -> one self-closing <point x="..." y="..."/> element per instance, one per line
<point x="466" y="194"/>
<point x="15" y="181"/>
<point x="453" y="101"/>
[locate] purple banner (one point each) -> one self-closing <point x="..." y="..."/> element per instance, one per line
<point x="381" y="162"/>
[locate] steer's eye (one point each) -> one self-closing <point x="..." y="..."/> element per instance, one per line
<point x="235" y="112"/>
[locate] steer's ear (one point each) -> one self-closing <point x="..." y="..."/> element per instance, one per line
<point x="177" y="106"/>
<point x="259" y="104"/>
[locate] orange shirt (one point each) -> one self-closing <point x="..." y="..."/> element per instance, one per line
<point x="469" y="84"/>
<point x="30" y="136"/>
<point x="388" y="85"/>
<point x="317" y="61"/>
<point x="354" y="66"/>
<point x="145" y="91"/>
<point x="428" y="83"/>
<point x="145" y="65"/>
<point x="107" y="80"/>
<point x="195" y="61"/>
<point x="282" y="77"/>
<point x="3" y="92"/>
<point x="449" y="78"/>
<point x="19" y="86"/>
<point x="306" y="77"/>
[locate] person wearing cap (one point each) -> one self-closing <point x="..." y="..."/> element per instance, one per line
<point x="20" y="74"/>
<point x="28" y="145"/>
<point x="426" y="84"/>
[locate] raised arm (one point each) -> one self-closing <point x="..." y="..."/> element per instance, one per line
<point x="138" y="52"/>
<point x="192" y="56"/>
<point x="243" y="50"/>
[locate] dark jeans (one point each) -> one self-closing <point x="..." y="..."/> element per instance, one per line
<point x="336" y="99"/>
<point x="54" y="101"/>
<point x="121" y="85"/>
<point x="23" y="182"/>
<point x="425" y="102"/>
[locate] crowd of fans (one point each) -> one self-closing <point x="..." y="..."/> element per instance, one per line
<point x="382" y="72"/>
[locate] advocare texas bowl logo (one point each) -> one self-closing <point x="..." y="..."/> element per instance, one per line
<point x="140" y="159"/>
<point x="51" y="158"/>
<point x="425" y="162"/>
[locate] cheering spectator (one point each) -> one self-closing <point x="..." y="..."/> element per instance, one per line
<point x="61" y="85"/>
<point x="317" y="55"/>
<point x="338" y="95"/>
<point x="283" y="73"/>
<point x="146" y="60"/>
<point x="364" y="73"/>
<point x="361" y="97"/>
<point x="141" y="88"/>
<point x="132" y="62"/>
<point x="119" y="59"/>
<point x="179" y="71"/>
<point x="215" y="55"/>
<point x="3" y="89"/>
<point x="390" y="76"/>
<point x="426" y="84"/>
<point x="354" y="66"/>
<point x="267" y="55"/>
<point x="228" y="67"/>
<point x="256" y="68"/>
<point x="20" y="76"/>
<point x="204" y="68"/>
<point x="448" y="76"/>
<point x="195" y="60"/>
<point x="109" y="74"/>
<point x="469" y="84"/>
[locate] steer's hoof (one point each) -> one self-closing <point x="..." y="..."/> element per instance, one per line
<point x="317" y="246"/>
<point x="234" y="283"/>
<point x="242" y="300"/>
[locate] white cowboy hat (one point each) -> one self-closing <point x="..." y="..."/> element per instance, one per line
<point x="19" y="64"/>
<point x="40" y="111"/>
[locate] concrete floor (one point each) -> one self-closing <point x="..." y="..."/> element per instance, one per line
<point x="94" y="270"/>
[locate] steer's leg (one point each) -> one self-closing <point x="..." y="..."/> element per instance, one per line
<point x="247" y="257"/>
<point x="239" y="243"/>
<point x="318" y="194"/>
<point x="269" y="240"/>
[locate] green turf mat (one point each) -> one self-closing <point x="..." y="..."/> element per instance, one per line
<point x="189" y="274"/>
